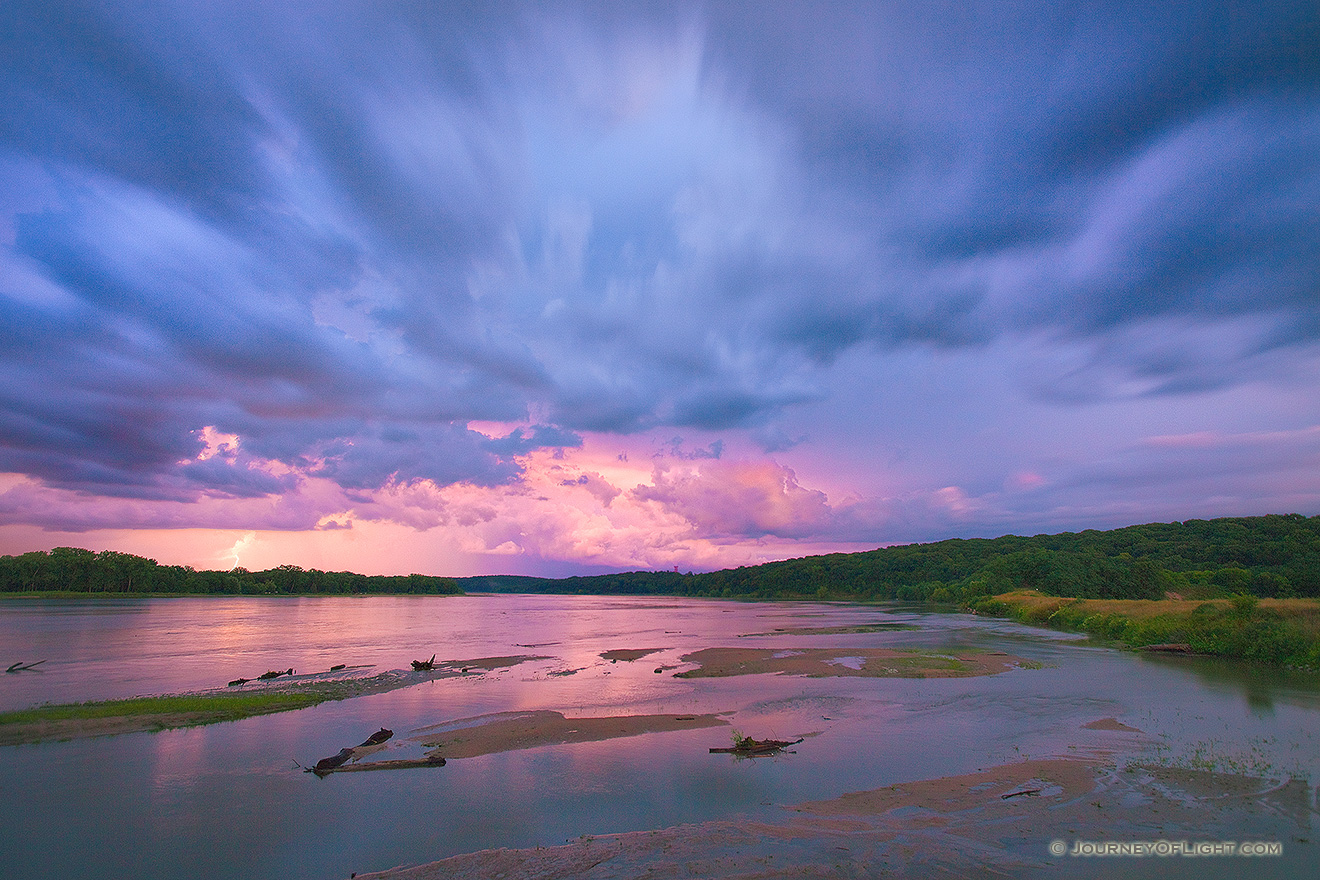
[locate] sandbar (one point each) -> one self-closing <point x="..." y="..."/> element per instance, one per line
<point x="628" y="653"/>
<point x="510" y="731"/>
<point x="154" y="713"/>
<point x="867" y="662"/>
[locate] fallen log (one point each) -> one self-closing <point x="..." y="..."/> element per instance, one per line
<point x="274" y="674"/>
<point x="424" y="665"/>
<point x="1169" y="648"/>
<point x="236" y="682"/>
<point x="398" y="764"/>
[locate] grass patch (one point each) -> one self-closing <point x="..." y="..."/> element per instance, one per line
<point x="218" y="707"/>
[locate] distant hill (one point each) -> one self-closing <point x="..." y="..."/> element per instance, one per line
<point x="1269" y="556"/>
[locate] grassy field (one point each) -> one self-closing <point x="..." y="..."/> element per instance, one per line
<point x="1283" y="632"/>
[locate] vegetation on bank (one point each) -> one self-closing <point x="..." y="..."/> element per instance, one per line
<point x="71" y="570"/>
<point x="1283" y="632"/>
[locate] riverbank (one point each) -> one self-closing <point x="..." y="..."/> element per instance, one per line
<point x="1283" y="632"/>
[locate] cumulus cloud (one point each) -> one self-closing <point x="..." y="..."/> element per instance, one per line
<point x="739" y="499"/>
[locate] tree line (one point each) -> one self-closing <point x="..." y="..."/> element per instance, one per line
<point x="69" y="569"/>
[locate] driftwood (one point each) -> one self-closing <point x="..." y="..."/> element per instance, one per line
<point x="325" y="765"/>
<point x="1029" y="792"/>
<point x="399" y="764"/>
<point x="20" y="666"/>
<point x="338" y="667"/>
<point x="236" y="682"/>
<point x="337" y="762"/>
<point x="377" y="738"/>
<point x="1170" y="648"/>
<point x="273" y="674"/>
<point x="424" y="665"/>
<point x="749" y="746"/>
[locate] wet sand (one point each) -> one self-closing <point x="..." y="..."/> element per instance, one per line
<point x="996" y="822"/>
<point x="867" y="662"/>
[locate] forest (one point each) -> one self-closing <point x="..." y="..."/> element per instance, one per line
<point x="68" y="569"/>
<point x="1276" y="556"/>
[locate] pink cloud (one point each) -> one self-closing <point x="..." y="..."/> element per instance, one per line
<point x="739" y="499"/>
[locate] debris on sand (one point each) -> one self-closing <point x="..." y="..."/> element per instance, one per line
<point x="424" y="665"/>
<point x="274" y="674"/>
<point x="747" y="746"/>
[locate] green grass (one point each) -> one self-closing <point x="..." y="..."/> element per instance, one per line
<point x="1280" y="632"/>
<point x="213" y="707"/>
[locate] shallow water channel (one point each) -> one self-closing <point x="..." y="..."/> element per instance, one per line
<point x="227" y="800"/>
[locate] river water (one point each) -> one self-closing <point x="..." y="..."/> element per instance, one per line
<point x="227" y="800"/>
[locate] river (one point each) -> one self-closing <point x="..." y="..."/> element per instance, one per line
<point x="228" y="801"/>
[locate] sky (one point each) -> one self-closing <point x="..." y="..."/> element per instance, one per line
<point x="567" y="288"/>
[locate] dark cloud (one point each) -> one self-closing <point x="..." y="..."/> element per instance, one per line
<point x="521" y="441"/>
<point x="343" y="232"/>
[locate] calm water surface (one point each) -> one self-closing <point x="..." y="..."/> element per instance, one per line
<point x="227" y="801"/>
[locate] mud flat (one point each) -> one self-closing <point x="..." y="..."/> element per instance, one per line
<point x="1010" y="820"/>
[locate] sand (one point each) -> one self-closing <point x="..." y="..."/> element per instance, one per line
<point x="956" y="826"/>
<point x="868" y="662"/>
<point x="509" y="731"/>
